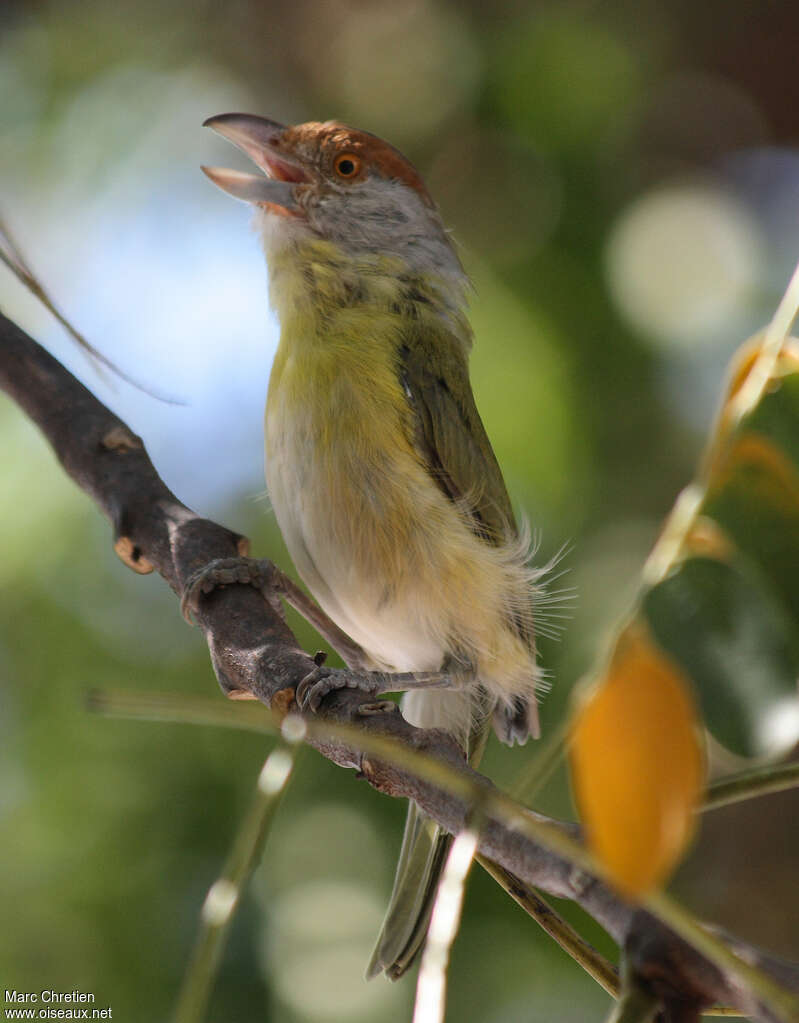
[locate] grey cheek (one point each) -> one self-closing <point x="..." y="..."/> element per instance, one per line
<point x="401" y="217"/>
<point x="391" y="213"/>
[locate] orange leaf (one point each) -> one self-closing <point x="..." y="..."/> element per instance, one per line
<point x="743" y="363"/>
<point x="637" y="764"/>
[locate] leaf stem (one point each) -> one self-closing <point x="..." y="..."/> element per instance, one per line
<point x="760" y="781"/>
<point x="431" y="985"/>
<point x="225" y="893"/>
<point x="497" y="805"/>
<point x="11" y="255"/>
<point x="592" y="961"/>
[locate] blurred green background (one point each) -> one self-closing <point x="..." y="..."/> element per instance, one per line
<point x="623" y="182"/>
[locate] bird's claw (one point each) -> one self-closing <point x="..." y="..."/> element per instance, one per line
<point x="318" y="683"/>
<point x="223" y="572"/>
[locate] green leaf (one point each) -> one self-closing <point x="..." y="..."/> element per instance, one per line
<point x="731" y="634"/>
<point x="723" y="599"/>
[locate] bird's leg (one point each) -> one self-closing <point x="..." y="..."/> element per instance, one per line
<point x="271" y="583"/>
<point x="321" y="681"/>
<point x="348" y="650"/>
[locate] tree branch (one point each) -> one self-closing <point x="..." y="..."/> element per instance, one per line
<point x="252" y="649"/>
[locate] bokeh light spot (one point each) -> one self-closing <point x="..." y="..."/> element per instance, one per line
<point x="434" y="66"/>
<point x="682" y="263"/>
<point x="325" y="930"/>
<point x="780" y="727"/>
<point x="334" y="833"/>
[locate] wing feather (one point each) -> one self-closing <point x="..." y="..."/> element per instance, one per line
<point x="450" y="434"/>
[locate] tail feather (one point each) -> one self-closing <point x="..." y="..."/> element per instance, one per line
<point x="424" y="850"/>
<point x="425" y="845"/>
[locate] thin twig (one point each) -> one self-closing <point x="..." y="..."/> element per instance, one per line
<point x="775" y="334"/>
<point x="760" y="781"/>
<point x="592" y="961"/>
<point x="431" y="985"/>
<point x="11" y="255"/>
<point x="455" y="780"/>
<point x="225" y="893"/>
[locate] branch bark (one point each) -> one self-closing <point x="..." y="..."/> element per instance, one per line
<point x="252" y="649"/>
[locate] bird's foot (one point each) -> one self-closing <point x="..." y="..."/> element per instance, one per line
<point x="318" y="683"/>
<point x="257" y="572"/>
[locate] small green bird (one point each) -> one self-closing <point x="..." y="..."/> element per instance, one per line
<point x="380" y="473"/>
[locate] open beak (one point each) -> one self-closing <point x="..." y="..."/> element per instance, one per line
<point x="259" y="138"/>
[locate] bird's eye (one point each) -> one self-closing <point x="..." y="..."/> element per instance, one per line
<point x="347" y="165"/>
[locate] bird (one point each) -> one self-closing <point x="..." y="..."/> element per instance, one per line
<point x="379" y="470"/>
